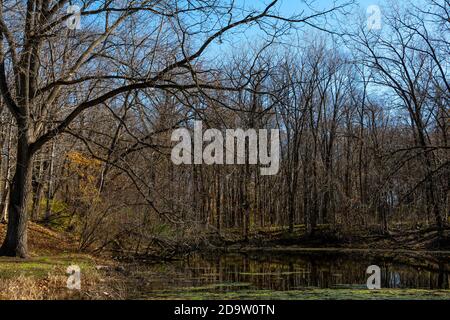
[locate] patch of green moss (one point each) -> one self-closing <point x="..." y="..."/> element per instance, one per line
<point x="307" y="294"/>
<point x="225" y="285"/>
<point x="42" y="266"/>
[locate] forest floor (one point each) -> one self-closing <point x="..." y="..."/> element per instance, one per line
<point x="44" y="274"/>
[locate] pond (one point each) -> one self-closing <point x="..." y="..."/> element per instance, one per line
<point x="232" y="275"/>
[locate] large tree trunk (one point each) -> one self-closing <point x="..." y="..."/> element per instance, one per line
<point x="15" y="243"/>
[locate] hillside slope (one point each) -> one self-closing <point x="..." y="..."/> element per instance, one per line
<point x="43" y="241"/>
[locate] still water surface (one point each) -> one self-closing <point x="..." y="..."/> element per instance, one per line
<point x="283" y="271"/>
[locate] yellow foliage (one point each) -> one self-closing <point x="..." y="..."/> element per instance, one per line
<point x="77" y="158"/>
<point x="88" y="169"/>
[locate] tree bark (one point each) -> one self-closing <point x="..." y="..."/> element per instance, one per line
<point x="15" y="243"/>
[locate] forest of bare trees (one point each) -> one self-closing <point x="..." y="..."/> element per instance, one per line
<point x="87" y="116"/>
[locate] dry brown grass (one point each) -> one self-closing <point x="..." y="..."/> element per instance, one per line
<point x="94" y="285"/>
<point x="20" y="288"/>
<point x="25" y="287"/>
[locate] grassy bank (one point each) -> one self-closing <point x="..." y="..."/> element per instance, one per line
<point x="43" y="275"/>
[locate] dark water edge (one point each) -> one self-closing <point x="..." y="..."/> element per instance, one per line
<point x="272" y="273"/>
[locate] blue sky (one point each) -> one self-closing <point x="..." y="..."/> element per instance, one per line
<point x="295" y="5"/>
<point x="287" y="8"/>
